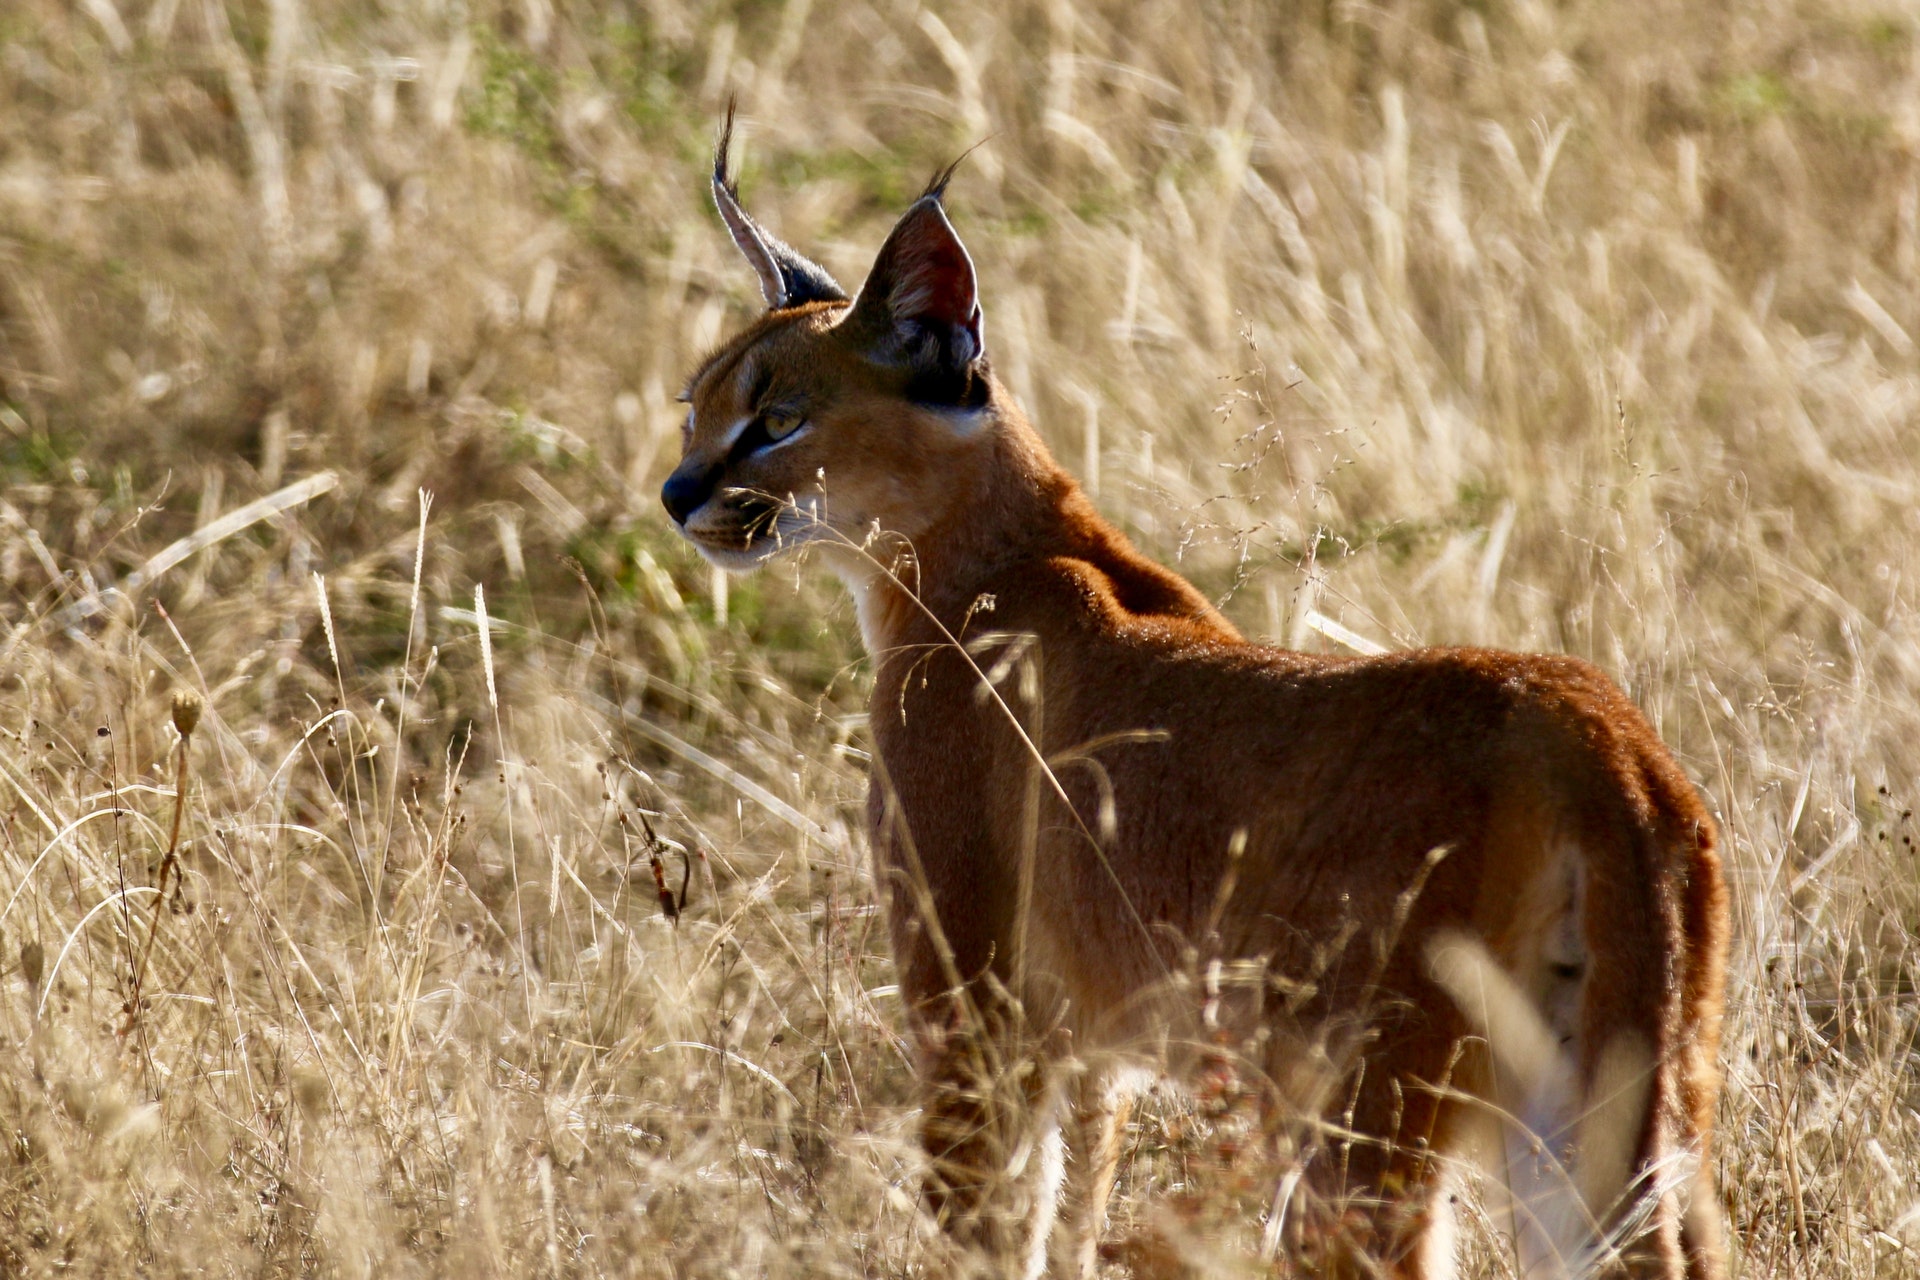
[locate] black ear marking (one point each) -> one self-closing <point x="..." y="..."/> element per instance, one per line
<point x="787" y="279"/>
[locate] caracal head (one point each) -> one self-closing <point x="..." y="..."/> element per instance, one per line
<point x="830" y="417"/>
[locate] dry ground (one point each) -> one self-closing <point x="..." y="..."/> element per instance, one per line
<point x="1581" y="326"/>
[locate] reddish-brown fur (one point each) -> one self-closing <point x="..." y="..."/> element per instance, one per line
<point x="1056" y="856"/>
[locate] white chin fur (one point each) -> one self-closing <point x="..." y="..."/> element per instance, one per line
<point x="735" y="560"/>
<point x="790" y="533"/>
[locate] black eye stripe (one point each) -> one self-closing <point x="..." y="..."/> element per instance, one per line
<point x="752" y="439"/>
<point x="757" y="435"/>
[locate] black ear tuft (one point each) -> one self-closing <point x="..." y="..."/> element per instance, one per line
<point x="937" y="185"/>
<point x="920" y="306"/>
<point x="786" y="278"/>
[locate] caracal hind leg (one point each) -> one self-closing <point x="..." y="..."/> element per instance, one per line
<point x="1094" y="1119"/>
<point x="1376" y="1185"/>
<point x="1702" y="1229"/>
<point x="1702" y="1235"/>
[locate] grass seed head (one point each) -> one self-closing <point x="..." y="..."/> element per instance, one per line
<point x="33" y="963"/>
<point x="187" y="706"/>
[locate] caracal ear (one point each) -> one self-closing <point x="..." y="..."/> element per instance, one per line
<point x="786" y="278"/>
<point x="920" y="306"/>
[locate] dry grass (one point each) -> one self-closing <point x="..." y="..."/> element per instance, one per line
<point x="1585" y="327"/>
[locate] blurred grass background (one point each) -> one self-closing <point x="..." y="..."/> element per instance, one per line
<point x="1582" y="326"/>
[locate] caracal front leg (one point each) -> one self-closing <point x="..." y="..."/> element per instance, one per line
<point x="993" y="1147"/>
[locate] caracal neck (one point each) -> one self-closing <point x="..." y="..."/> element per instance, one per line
<point x="1009" y="518"/>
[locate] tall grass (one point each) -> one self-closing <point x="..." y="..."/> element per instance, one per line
<point x="1585" y="327"/>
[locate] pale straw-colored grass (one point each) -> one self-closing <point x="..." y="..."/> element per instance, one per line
<point x="1584" y="327"/>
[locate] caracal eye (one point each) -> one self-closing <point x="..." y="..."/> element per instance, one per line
<point x="782" y="423"/>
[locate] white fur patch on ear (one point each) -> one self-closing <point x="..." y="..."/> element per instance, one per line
<point x="967" y="345"/>
<point x="966" y="342"/>
<point x="912" y="292"/>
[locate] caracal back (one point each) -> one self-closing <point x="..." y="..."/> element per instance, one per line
<point x="1461" y="903"/>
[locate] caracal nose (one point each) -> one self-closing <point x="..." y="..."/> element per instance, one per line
<point x="687" y="489"/>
